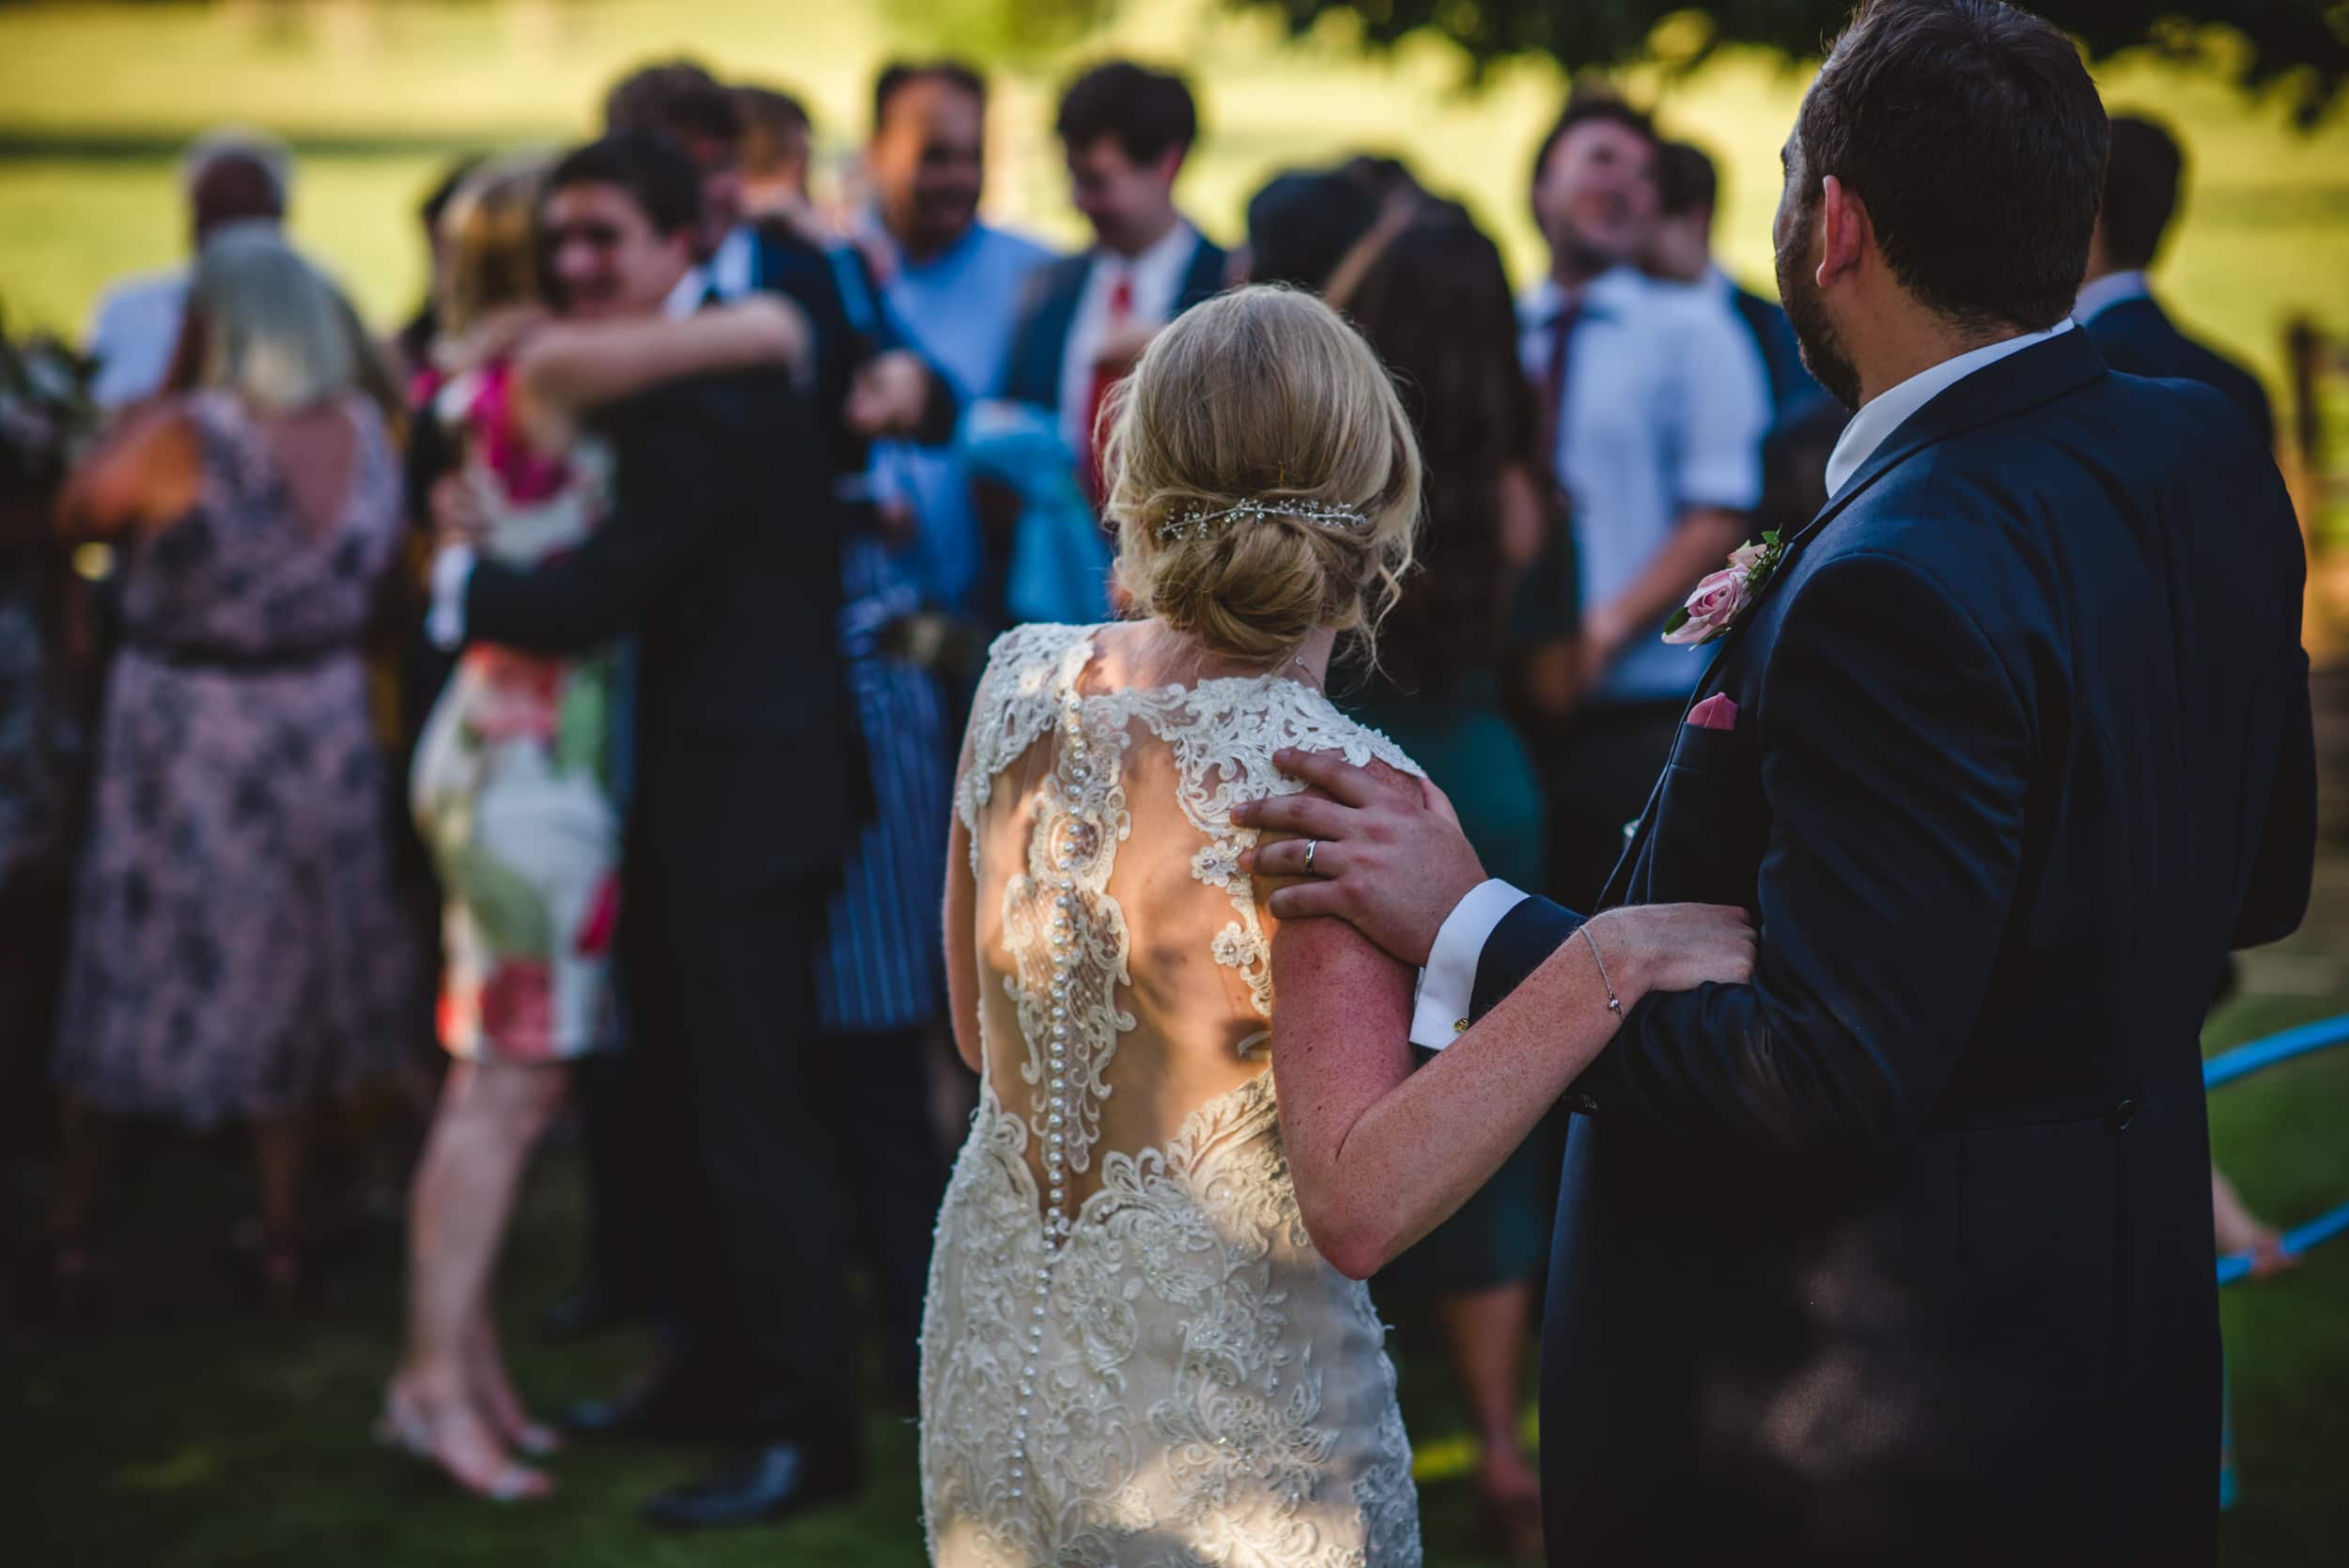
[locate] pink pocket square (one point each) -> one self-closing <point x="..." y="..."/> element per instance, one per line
<point x="1717" y="712"/>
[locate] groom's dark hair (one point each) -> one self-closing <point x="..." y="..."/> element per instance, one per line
<point x="1972" y="135"/>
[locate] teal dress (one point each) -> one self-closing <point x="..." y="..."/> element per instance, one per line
<point x="1473" y="754"/>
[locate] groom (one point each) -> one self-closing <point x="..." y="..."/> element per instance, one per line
<point x="1902" y="1252"/>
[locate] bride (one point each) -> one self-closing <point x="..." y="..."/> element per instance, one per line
<point x="1146" y="1341"/>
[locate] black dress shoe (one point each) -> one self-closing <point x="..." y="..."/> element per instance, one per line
<point x="759" y="1486"/>
<point x="670" y="1407"/>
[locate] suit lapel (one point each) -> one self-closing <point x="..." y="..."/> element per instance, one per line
<point x="2011" y="386"/>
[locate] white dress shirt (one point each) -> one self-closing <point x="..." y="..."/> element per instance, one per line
<point x="131" y="336"/>
<point x="1448" y="983"/>
<point x="1156" y="279"/>
<point x="1888" y="410"/>
<point x="2098" y="295"/>
<point x="1666" y="402"/>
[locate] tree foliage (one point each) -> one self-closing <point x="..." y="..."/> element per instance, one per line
<point x="2299" y="47"/>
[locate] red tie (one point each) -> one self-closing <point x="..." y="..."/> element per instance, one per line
<point x="1121" y="311"/>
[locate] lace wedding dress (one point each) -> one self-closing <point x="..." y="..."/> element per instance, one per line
<point x="1132" y="1353"/>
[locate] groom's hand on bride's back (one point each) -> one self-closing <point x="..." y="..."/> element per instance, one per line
<point x="1389" y="853"/>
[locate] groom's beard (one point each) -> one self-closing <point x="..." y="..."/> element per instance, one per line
<point x="1821" y="344"/>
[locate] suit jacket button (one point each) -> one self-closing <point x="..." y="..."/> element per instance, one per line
<point x="2118" y="1119"/>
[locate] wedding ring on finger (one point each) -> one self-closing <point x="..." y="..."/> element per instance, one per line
<point x="1311" y="847"/>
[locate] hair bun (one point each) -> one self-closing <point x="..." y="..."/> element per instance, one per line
<point x="1253" y="400"/>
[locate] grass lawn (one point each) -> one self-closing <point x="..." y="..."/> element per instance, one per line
<point x="190" y="1434"/>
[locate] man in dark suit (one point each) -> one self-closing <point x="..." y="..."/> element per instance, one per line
<point x="867" y="381"/>
<point x="1127" y="131"/>
<point x="1902" y="1252"/>
<point x="2116" y="304"/>
<point x="722" y="556"/>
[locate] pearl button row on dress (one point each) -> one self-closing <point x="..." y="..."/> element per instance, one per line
<point x="1057" y="1113"/>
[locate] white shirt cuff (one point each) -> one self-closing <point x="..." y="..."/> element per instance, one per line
<point x="445" y="623"/>
<point x="1448" y="983"/>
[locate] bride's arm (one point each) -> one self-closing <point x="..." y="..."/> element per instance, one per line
<point x="1382" y="1155"/>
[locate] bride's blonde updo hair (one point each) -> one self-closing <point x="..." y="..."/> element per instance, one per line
<point x="1263" y="395"/>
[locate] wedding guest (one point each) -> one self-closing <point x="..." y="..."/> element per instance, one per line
<point x="950" y="283"/>
<point x="237" y="953"/>
<point x="414" y="340"/>
<point x="1681" y="251"/>
<point x="1804" y="420"/>
<point x="50" y="662"/>
<point x="1126" y="131"/>
<point x="777" y="149"/>
<point x="1430" y="294"/>
<point x="720" y="550"/>
<point x="1388" y="179"/>
<point x="867" y="381"/>
<point x="514" y="794"/>
<point x="230" y="177"/>
<point x="2128" y="326"/>
<point x="954" y="283"/>
<point x="1652" y="406"/>
<point x="1303" y="222"/>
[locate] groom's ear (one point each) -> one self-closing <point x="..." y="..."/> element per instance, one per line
<point x="1844" y="230"/>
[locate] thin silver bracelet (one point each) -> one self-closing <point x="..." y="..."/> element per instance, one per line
<point x="1614" y="1002"/>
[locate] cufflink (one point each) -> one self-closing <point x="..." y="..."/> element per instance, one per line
<point x="1459" y="1026"/>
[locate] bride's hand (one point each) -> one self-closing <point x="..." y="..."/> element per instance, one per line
<point x="1674" y="947"/>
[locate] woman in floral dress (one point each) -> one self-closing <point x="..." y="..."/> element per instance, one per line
<point x="236" y="952"/>
<point x="514" y="794"/>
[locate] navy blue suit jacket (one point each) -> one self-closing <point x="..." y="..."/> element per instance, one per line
<point x="1902" y="1252"/>
<point x="1050" y="310"/>
<point x="2138" y="337"/>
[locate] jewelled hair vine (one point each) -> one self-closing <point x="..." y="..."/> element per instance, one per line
<point x="1197" y="522"/>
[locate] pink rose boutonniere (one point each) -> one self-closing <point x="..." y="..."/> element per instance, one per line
<point x="1723" y="597"/>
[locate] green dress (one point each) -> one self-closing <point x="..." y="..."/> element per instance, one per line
<point x="1473" y="754"/>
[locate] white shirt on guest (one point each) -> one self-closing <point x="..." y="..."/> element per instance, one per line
<point x="1156" y="278"/>
<point x="131" y="334"/>
<point x="136" y="326"/>
<point x="1448" y="983"/>
<point x="1888" y="410"/>
<point x="1667" y="400"/>
<point x="2098" y="295"/>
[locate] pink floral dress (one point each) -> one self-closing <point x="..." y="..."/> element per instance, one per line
<point x="512" y="784"/>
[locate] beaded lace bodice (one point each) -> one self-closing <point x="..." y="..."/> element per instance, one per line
<point x="1132" y="1353"/>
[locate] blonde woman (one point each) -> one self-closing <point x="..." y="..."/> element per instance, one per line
<point x="513" y="793"/>
<point x="236" y="952"/>
<point x="1146" y="1340"/>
